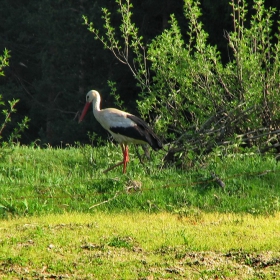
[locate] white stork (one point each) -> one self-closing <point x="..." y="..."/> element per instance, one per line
<point x="124" y="127"/>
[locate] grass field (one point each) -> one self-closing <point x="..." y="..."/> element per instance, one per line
<point x="62" y="217"/>
<point x="140" y="246"/>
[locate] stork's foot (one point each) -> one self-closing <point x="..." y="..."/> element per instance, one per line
<point x="124" y="162"/>
<point x="112" y="167"/>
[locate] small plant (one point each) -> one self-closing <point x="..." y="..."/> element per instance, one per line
<point x="7" y="207"/>
<point x="16" y="133"/>
<point x="121" y="242"/>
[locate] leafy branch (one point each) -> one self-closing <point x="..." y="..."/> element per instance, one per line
<point x="131" y="51"/>
<point x="7" y="113"/>
<point x="4" y="61"/>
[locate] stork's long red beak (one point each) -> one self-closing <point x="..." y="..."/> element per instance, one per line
<point x="84" y="111"/>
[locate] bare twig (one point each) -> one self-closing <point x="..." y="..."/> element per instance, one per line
<point x="105" y="201"/>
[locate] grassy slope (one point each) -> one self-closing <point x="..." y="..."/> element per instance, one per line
<point x="195" y="228"/>
<point x="37" y="181"/>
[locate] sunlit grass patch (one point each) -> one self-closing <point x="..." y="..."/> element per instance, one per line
<point x="128" y="245"/>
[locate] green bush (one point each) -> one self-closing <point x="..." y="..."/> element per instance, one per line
<point x="194" y="100"/>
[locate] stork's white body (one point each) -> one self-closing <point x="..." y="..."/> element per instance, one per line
<point x="112" y="117"/>
<point x="124" y="127"/>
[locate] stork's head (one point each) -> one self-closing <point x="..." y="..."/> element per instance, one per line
<point x="93" y="97"/>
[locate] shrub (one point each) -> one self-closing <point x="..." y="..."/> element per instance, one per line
<point x="195" y="101"/>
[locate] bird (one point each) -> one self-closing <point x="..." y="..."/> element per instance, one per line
<point x="124" y="127"/>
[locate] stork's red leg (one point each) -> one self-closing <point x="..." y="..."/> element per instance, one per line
<point x="125" y="156"/>
<point x="125" y="159"/>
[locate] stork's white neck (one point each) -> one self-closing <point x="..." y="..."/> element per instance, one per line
<point x="96" y="104"/>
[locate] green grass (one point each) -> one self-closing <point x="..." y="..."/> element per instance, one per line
<point x="62" y="217"/>
<point x="37" y="181"/>
<point x="140" y="246"/>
